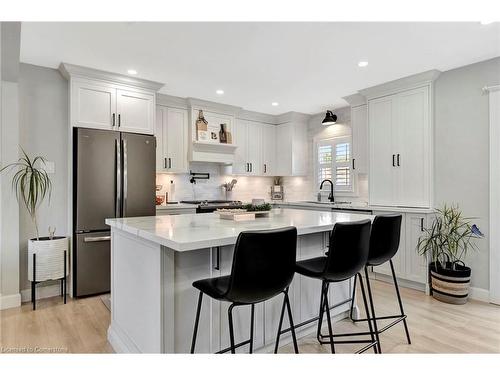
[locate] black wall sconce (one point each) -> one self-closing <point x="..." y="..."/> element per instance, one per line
<point x="330" y="118"/>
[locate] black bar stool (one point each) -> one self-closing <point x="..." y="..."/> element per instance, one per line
<point x="348" y="253"/>
<point x="384" y="244"/>
<point x="263" y="267"/>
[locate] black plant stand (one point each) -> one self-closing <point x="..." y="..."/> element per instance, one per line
<point x="34" y="282"/>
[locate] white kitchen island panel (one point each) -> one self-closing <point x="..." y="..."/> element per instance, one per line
<point x="154" y="302"/>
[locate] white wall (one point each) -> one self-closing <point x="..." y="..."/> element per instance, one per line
<point x="462" y="152"/>
<point x="9" y="141"/>
<point x="43" y="104"/>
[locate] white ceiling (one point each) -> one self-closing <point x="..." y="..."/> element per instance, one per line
<point x="306" y="67"/>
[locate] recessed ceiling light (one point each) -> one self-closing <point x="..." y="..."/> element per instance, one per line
<point x="486" y="22"/>
<point x="275" y="104"/>
<point x="132" y="71"/>
<point x="219" y="92"/>
<point x="363" y="64"/>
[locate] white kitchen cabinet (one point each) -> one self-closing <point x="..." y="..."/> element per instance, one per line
<point x="291" y="149"/>
<point x="400" y="149"/>
<point x="359" y="125"/>
<point x="93" y="105"/>
<point x="248" y="155"/>
<point x="408" y="264"/>
<point x="135" y="111"/>
<point x="110" y="101"/>
<point x="268" y="163"/>
<point x="415" y="264"/>
<point x="172" y="140"/>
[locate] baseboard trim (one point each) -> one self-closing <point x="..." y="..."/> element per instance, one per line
<point x="45" y="291"/>
<point x="479" y="294"/>
<point x="9" y="301"/>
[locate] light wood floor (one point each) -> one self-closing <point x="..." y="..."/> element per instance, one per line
<point x="435" y="327"/>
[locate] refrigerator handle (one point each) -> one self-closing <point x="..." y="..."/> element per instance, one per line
<point x="118" y="178"/>
<point x="124" y="210"/>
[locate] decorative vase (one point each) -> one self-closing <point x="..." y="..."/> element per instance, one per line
<point x="223" y="133"/>
<point x="49" y="258"/>
<point x="201" y="127"/>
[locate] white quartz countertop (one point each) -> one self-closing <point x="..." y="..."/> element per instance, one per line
<point x="177" y="206"/>
<point x="355" y="206"/>
<point x="197" y="231"/>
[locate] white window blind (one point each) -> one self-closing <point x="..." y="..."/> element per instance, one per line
<point x="334" y="162"/>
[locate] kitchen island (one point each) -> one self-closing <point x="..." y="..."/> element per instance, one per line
<point x="154" y="261"/>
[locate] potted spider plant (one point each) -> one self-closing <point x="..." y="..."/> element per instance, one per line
<point x="32" y="185"/>
<point x="448" y="240"/>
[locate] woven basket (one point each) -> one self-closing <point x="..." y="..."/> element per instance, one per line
<point x="49" y="258"/>
<point x="450" y="285"/>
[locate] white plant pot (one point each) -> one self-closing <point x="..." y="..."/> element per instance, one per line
<point x="49" y="258"/>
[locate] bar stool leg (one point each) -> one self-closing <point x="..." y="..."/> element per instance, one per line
<point x="400" y="302"/>
<point x="353" y="297"/>
<point x="33" y="283"/>
<point x="64" y="279"/>
<point x="320" y="321"/>
<point x="231" y="329"/>
<point x="251" y="327"/>
<point x="197" y="320"/>
<point x="290" y="319"/>
<point x="370" y="297"/>
<point x="279" y="326"/>
<point x="329" y="320"/>
<point x="365" y="302"/>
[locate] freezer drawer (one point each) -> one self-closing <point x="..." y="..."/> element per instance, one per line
<point x="93" y="260"/>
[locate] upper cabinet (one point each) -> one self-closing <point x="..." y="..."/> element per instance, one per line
<point x="400" y="143"/>
<point x="256" y="152"/>
<point x="171" y="140"/>
<point x="102" y="100"/>
<point x="291" y="149"/>
<point x="359" y="131"/>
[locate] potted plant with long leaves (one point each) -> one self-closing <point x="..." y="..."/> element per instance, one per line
<point x="47" y="256"/>
<point x="448" y="240"/>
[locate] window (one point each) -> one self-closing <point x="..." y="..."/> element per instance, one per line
<point x="334" y="162"/>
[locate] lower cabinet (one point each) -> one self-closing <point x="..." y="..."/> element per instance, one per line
<point x="408" y="264"/>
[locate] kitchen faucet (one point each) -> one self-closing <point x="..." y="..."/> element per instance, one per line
<point x="331" y="198"/>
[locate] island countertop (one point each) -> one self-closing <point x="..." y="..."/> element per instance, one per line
<point x="196" y="231"/>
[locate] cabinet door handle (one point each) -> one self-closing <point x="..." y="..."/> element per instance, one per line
<point x="353" y="165"/>
<point x="251" y="167"/>
<point x="421" y="224"/>
<point x="393" y="160"/>
<point x="119" y="120"/>
<point x="398" y="161"/>
<point x="170" y="163"/>
<point x="217" y="258"/>
<point x="114" y="119"/>
<point x="265" y="168"/>
<point x="165" y="163"/>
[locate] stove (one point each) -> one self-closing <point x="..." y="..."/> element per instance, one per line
<point x="212" y="205"/>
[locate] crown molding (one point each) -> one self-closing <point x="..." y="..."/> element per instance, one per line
<point x="404" y="83"/>
<point x="256" y="116"/>
<point x="213" y="106"/>
<point x="292" y="117"/>
<point x="355" y="100"/>
<point x="71" y="71"/>
<point x="171" y="101"/>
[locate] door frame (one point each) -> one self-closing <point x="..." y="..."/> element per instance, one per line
<point x="494" y="129"/>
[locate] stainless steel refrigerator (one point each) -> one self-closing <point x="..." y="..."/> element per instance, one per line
<point x="113" y="176"/>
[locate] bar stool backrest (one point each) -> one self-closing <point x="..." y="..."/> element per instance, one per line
<point x="263" y="264"/>
<point x="384" y="239"/>
<point x="349" y="246"/>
